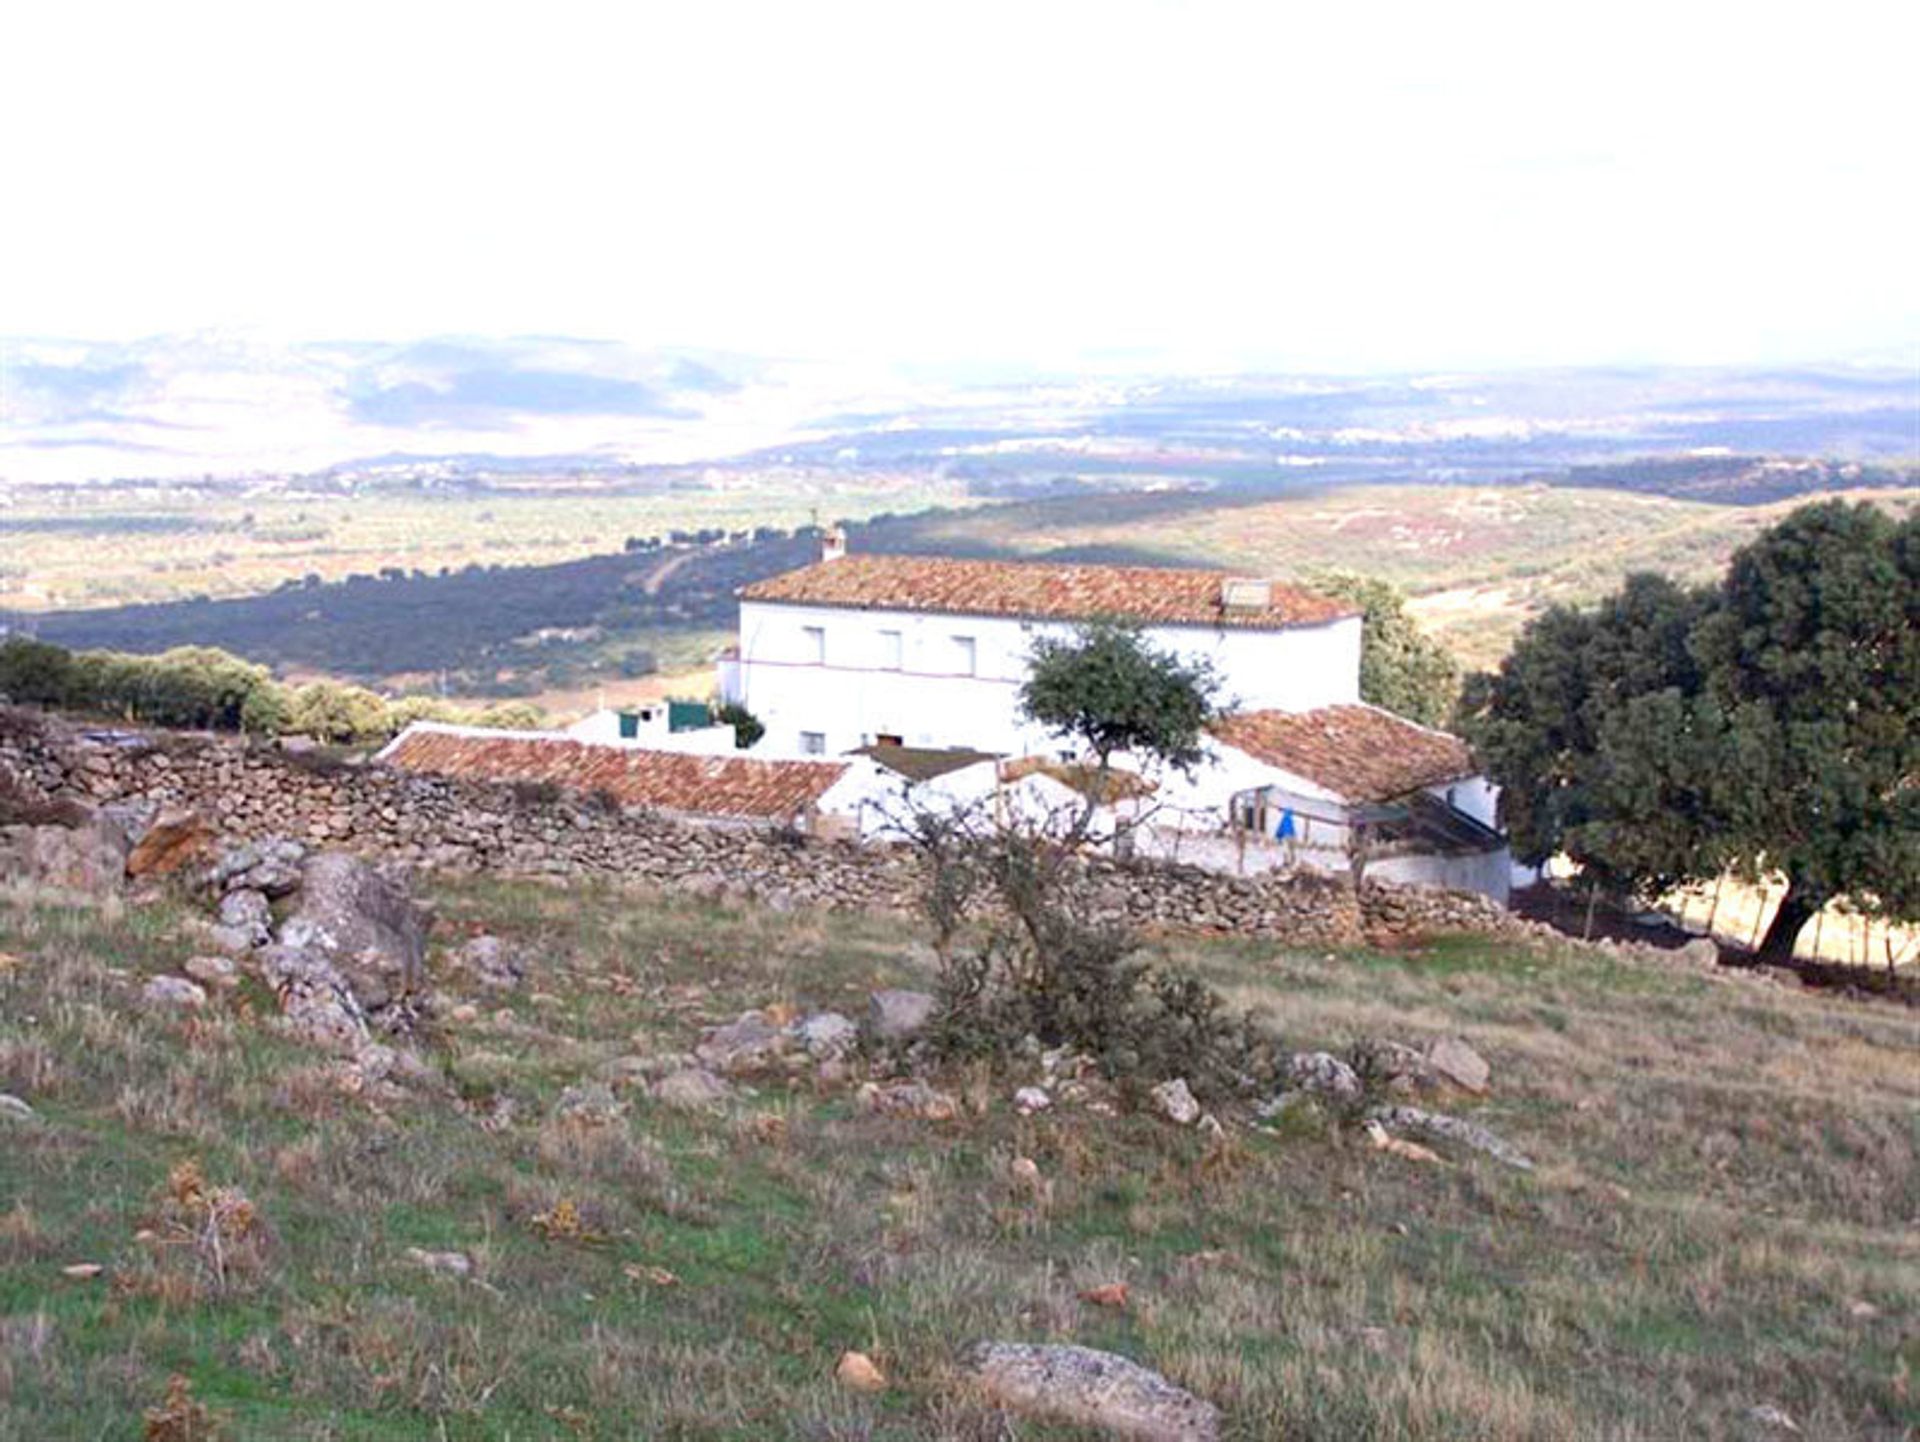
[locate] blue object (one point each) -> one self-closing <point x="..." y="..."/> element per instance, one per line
<point x="1285" y="830"/>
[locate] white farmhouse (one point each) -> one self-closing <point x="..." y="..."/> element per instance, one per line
<point x="908" y="659"/>
<point x="862" y="650"/>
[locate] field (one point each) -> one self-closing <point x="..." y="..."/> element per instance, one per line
<point x="84" y="547"/>
<point x="1721" y="1220"/>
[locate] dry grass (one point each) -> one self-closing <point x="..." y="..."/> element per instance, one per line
<point x="1722" y="1218"/>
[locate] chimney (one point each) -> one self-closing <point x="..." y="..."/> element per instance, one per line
<point x="1239" y="593"/>
<point x="833" y="544"/>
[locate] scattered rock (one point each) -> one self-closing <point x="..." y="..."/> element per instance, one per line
<point x="212" y="970"/>
<point x="898" y="1015"/>
<point x="590" y="1104"/>
<point x="745" y="1044"/>
<point x="1029" y="1100"/>
<point x="316" y="1003"/>
<point x="447" y="1264"/>
<point x="231" y="940"/>
<point x="1175" y="1101"/>
<point x="1395" y="1067"/>
<point x="690" y="1089"/>
<point x="173" y="992"/>
<point x="364" y="923"/>
<point x="271" y="867"/>
<point x="827" y="1036"/>
<point x="487" y="960"/>
<point x="1091" y="1389"/>
<point x="1026" y="1172"/>
<point x="1112" y="1294"/>
<point x="247" y="911"/>
<point x="1457" y="1064"/>
<point x="857" y="1373"/>
<point x="12" y="1107"/>
<point x="1395" y="1146"/>
<point x="1436" y="1127"/>
<point x="177" y="839"/>
<point x="1701" y="951"/>
<point x="1767" y="1415"/>
<point x="1323" y="1074"/>
<point x="82" y="1271"/>
<point x="912" y="1098"/>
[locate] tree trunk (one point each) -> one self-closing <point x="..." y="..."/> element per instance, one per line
<point x="1796" y="910"/>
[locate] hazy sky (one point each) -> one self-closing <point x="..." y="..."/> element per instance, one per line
<point x="1334" y="185"/>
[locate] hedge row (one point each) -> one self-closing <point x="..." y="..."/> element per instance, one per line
<point x="208" y="689"/>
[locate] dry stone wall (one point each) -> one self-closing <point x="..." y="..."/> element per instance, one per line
<point x="250" y="790"/>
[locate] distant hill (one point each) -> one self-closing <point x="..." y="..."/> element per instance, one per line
<point x="1479" y="560"/>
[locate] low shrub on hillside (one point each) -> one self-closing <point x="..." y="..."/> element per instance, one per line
<point x="1049" y="966"/>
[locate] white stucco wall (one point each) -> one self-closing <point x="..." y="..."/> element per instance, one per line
<point x="841" y="674"/>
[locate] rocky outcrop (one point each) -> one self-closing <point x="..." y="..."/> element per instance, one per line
<point x="363" y="922"/>
<point x="1091" y="1389"/>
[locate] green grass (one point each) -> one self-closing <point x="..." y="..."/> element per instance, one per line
<point x="1726" y="1171"/>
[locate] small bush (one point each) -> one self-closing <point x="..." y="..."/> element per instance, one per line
<point x="1051" y="967"/>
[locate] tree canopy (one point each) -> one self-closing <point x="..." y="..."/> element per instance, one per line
<point x="1402" y="668"/>
<point x="1769" y="725"/>
<point x="1109" y="688"/>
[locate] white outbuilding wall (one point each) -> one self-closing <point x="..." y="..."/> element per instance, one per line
<point x="828" y="679"/>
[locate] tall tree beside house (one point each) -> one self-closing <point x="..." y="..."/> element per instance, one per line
<point x="1108" y="688"/>
<point x="1402" y="669"/>
<point x="1769" y="725"/>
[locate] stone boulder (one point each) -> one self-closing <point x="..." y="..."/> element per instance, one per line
<point x="1077" y="1385"/>
<point x="912" y="1099"/>
<point x="748" y="1043"/>
<point x="364" y="923"/>
<point x="690" y="1089"/>
<point x="898" y="1015"/>
<point x="317" y="1003"/>
<point x="247" y="913"/>
<point x="1175" y="1101"/>
<point x="1435" y="1126"/>
<point x="176" y="839"/>
<point x="1323" y="1074"/>
<point x="271" y="866"/>
<point x="826" y="1035"/>
<point x="173" y="993"/>
<point x="1456" y="1064"/>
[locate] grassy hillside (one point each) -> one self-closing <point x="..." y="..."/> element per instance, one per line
<point x="1721" y="1220"/>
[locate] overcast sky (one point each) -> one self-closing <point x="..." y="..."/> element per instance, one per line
<point x="1333" y="185"/>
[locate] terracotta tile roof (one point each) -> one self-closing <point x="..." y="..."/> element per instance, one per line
<point x="1121" y="784"/>
<point x="1359" y="752"/>
<point x="1044" y="590"/>
<point x="670" y="780"/>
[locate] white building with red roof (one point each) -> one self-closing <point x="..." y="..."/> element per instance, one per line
<point x="906" y="658"/>
<point x="930" y="652"/>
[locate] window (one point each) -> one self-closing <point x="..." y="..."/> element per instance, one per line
<point x="813" y="743"/>
<point x="883" y="739"/>
<point x="965" y="656"/>
<point x="813" y="645"/>
<point x="629" y="725"/>
<point x="890" y="649"/>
